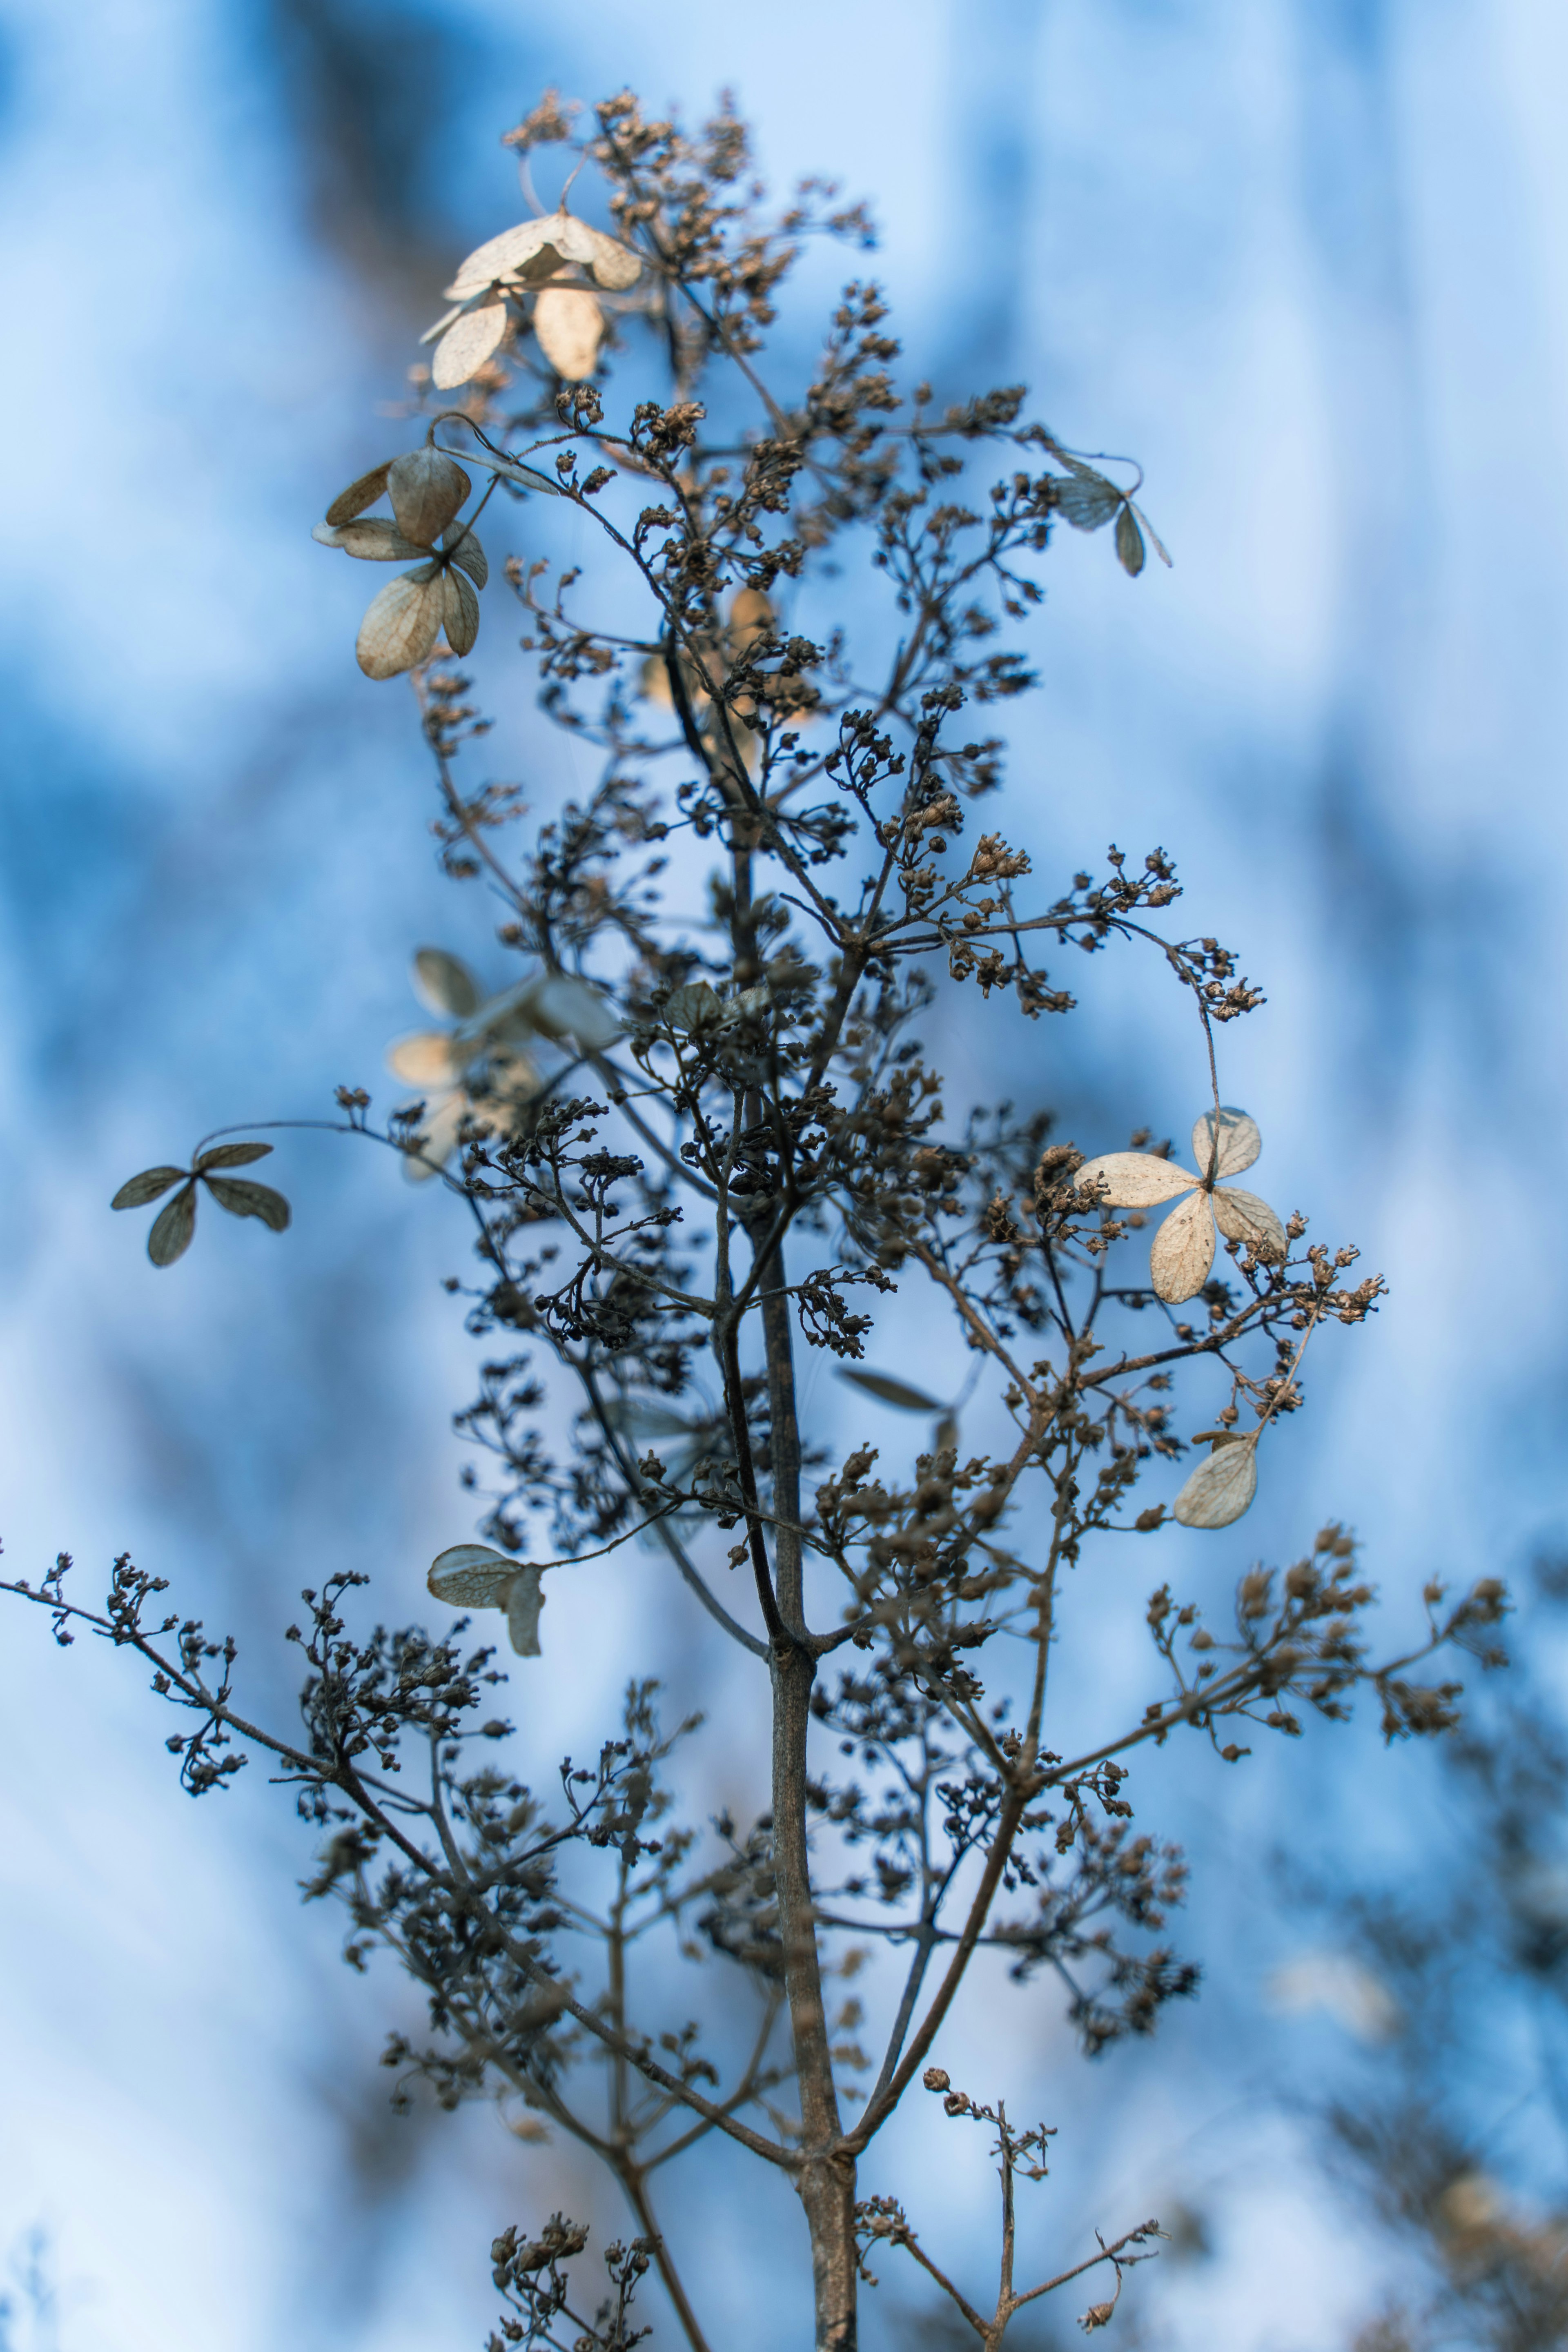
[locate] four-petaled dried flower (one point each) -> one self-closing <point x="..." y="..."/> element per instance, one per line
<point x="1183" y="1254"/>
<point x="426" y="488"/>
<point x="472" y="1576"/>
<point x="175" y="1226"/>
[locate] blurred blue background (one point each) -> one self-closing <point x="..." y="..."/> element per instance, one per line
<point x="1307" y="259"/>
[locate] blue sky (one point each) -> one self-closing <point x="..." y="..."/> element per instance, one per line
<point x="1307" y="259"/>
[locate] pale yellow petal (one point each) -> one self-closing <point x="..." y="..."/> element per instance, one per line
<point x="400" y="628"/>
<point x="1133" y="1180"/>
<point x="467" y="345"/>
<point x="1243" y="1217"/>
<point x="1239" y="1143"/>
<point x="1183" y="1254"/>
<point x="1219" y="1489"/>
<point x="568" y="324"/>
<point x="423" y="1059"/>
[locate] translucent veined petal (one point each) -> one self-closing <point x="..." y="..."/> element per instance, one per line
<point x="1239" y="1143"/>
<point x="460" y="611"/>
<point x="467" y="344"/>
<point x="1134" y="1180"/>
<point x="1183" y="1254"/>
<point x="374" y="538"/>
<point x="471" y="1576"/>
<point x="1243" y="1217"/>
<point x="1219" y="1489"/>
<point x="400" y="628"/>
<point x="427" y="489"/>
<point x="569" y="325"/>
<point x="362" y="493"/>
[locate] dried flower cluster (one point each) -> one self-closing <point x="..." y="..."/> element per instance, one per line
<point x="699" y="1130"/>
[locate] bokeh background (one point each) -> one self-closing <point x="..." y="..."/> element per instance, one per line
<point x="1307" y="259"/>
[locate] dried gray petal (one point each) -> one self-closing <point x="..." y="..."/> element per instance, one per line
<point x="524" y="1601"/>
<point x="1129" y="543"/>
<point x="230" y="1155"/>
<point x="358" y="496"/>
<point x="465" y="550"/>
<point x="1086" y="498"/>
<point x="694" y="1006"/>
<point x="568" y="325"/>
<point x="173" y="1227"/>
<point x="1133" y="1180"/>
<point x="1243" y="1217"/>
<point x="445" y="984"/>
<point x="467" y="344"/>
<point x="150" y="1185"/>
<point x="1183" y="1254"/>
<point x="242" y="1198"/>
<point x="400" y="628"/>
<point x="472" y="1576"/>
<point x="891" y="1391"/>
<point x="443" y="323"/>
<point x="1239" y="1143"/>
<point x="426" y="488"/>
<point x="461" y="611"/>
<point x="374" y="540"/>
<point x="563" y="1006"/>
<point x="1219" y="1489"/>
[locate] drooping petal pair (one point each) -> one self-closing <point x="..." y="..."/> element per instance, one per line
<point x="472" y="1576"/>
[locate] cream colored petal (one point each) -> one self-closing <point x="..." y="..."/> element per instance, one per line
<point x="360" y="494"/>
<point x="1183" y="1254"/>
<point x="464" y="548"/>
<point x="423" y="1059"/>
<point x="445" y="984"/>
<point x="400" y="628"/>
<point x="1219" y="1489"/>
<point x="504" y="255"/>
<point x="426" y="488"/>
<point x="612" y="264"/>
<point x="1239" y="1143"/>
<point x="472" y="1576"/>
<point x="1243" y="1217"/>
<point x="460" y="611"/>
<point x="466" y="346"/>
<point x="443" y="323"/>
<point x="568" y="324"/>
<point x="524" y="1601"/>
<point x="1134" y="1180"/>
<point x="373" y="540"/>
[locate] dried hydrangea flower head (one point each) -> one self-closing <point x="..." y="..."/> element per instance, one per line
<point x="427" y="489"/>
<point x="1224" y="1143"/>
<point x="568" y="320"/>
<point x="477" y="1069"/>
<point x="472" y="1576"/>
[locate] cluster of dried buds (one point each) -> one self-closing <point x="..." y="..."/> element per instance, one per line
<point x="427" y="489"/>
<point x="554" y="261"/>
